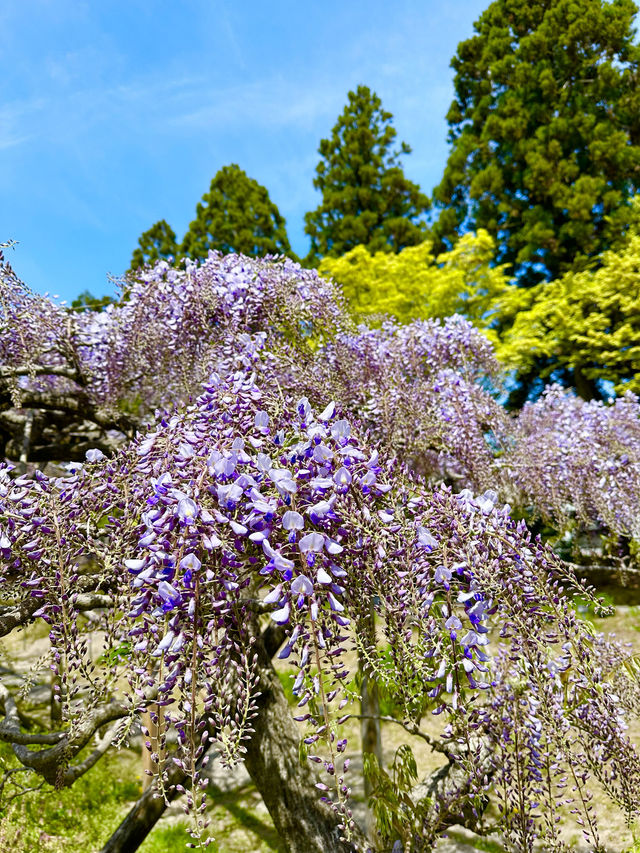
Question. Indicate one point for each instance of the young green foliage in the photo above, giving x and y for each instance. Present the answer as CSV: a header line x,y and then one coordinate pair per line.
x,y
544,131
414,284
585,326
366,198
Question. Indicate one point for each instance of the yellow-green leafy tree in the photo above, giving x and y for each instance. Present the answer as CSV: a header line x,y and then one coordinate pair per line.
x,y
583,327
415,284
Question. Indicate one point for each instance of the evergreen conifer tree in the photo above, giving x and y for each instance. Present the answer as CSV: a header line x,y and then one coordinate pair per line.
x,y
86,301
158,243
544,132
236,215
366,198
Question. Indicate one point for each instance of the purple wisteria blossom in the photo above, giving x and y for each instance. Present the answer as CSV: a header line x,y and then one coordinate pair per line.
x,y
343,489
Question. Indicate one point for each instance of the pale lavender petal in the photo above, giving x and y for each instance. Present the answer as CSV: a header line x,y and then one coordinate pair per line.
x,y
281,616
190,561
312,542
323,576
274,596
187,510
302,585
292,520
328,413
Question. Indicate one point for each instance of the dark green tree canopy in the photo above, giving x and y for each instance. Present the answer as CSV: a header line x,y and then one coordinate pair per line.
x,y
366,198
86,301
158,243
236,215
544,132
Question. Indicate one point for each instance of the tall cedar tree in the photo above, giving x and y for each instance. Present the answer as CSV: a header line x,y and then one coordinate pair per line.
x,y
544,132
236,215
366,198
158,243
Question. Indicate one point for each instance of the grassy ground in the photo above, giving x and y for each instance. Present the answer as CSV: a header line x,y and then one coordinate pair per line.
x,y
81,819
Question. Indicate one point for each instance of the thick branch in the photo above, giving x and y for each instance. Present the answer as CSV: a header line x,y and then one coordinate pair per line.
x,y
48,762
444,795
77,404
10,727
41,370
145,813
21,614
91,601
76,770
287,787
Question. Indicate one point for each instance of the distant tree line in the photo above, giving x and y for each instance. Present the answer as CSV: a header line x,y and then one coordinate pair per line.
x,y
366,200
544,162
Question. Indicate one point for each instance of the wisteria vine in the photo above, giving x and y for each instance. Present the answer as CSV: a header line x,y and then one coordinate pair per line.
x,y
325,479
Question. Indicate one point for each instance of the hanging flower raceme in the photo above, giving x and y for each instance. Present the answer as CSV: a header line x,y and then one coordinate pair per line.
x,y
250,506
578,463
247,503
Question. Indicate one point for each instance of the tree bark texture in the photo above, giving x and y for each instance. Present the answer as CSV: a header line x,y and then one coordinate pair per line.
x,y
286,784
370,733
141,819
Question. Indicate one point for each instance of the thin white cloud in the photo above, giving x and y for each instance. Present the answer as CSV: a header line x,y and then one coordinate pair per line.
x,y
185,104
270,103
231,38
17,121
9,140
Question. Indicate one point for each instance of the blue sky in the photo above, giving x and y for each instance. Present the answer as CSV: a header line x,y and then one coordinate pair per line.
x,y
117,114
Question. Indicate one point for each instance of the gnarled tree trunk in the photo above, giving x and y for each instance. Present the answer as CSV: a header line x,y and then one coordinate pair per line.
x,y
286,784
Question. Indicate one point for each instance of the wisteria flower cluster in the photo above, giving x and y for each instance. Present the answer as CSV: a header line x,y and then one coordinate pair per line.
x,y
421,390
246,502
424,391
279,478
153,347
582,461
